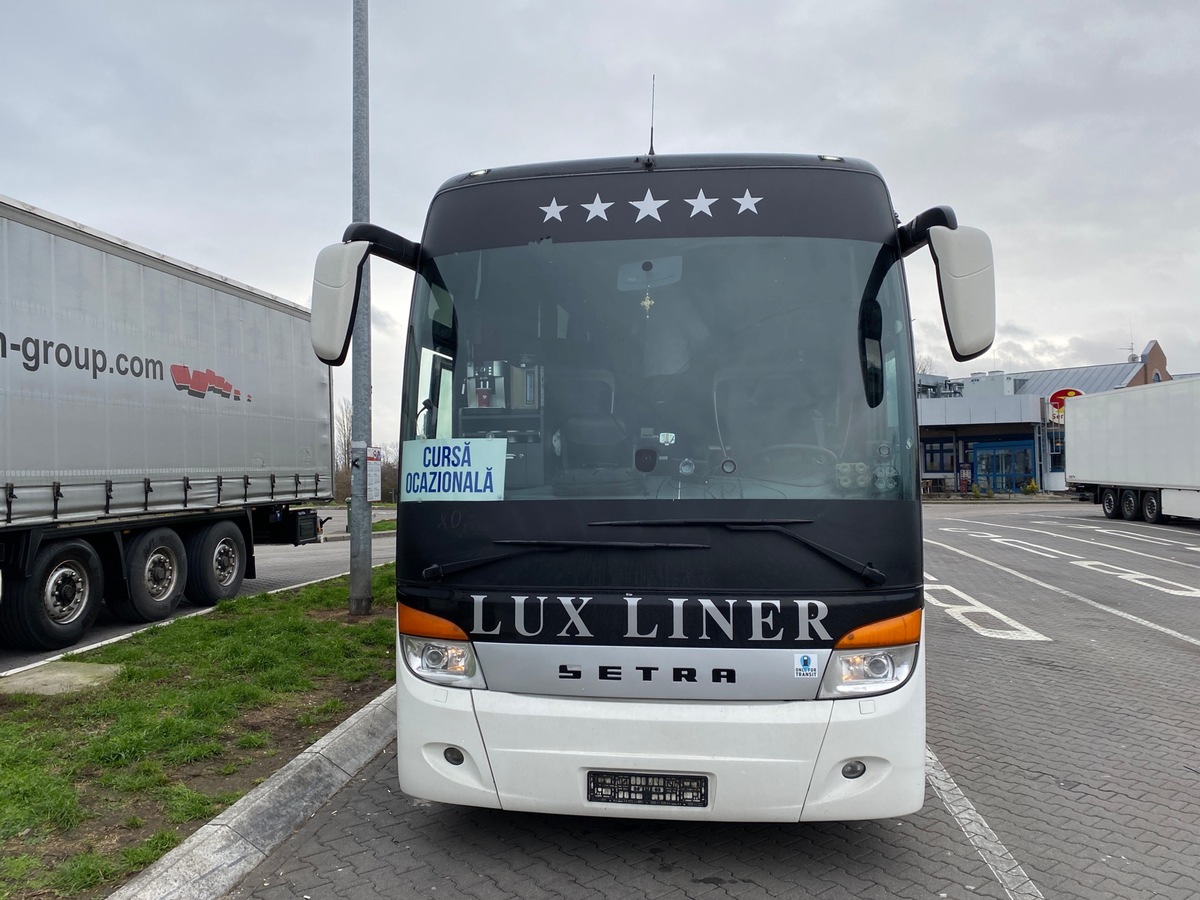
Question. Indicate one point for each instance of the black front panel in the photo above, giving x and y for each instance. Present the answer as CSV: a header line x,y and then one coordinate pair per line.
x,y
699,203
701,618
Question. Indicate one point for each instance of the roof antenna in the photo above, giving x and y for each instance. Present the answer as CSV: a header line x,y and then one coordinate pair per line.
x,y
649,161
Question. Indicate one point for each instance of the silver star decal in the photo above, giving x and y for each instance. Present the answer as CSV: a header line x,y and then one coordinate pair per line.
x,y
554,210
647,206
701,204
596,209
746,202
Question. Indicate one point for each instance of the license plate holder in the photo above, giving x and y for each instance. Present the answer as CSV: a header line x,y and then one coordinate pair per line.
x,y
647,788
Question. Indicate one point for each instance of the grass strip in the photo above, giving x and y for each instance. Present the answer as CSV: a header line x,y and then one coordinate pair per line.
x,y
97,784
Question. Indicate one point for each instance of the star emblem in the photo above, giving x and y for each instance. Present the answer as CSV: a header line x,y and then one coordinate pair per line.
x,y
647,206
554,210
596,209
746,202
701,204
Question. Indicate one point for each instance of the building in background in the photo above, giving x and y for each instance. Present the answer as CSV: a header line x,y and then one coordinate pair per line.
x,y
1002,430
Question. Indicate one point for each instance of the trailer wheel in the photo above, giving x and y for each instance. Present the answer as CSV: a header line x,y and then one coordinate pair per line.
x,y
1131,509
55,605
1151,511
216,563
1108,502
157,569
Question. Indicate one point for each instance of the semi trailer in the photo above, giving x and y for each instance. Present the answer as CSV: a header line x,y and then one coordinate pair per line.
x,y
156,422
1133,450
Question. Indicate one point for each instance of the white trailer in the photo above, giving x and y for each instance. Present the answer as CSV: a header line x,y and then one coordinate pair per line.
x,y
156,420
1133,450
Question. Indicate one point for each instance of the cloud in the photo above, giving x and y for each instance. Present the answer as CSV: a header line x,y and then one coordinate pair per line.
x,y
219,133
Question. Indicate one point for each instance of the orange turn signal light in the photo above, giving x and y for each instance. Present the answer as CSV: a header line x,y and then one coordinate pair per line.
x,y
905,629
422,624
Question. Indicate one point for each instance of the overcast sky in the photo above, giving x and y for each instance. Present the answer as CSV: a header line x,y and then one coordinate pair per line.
x,y
219,133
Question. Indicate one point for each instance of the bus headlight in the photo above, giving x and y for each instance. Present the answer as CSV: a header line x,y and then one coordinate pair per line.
x,y
451,663
861,673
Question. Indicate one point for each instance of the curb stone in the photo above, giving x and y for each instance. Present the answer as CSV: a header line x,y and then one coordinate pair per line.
x,y
216,859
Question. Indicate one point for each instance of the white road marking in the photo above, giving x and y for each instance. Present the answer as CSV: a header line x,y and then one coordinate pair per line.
x,y
1008,872
1150,581
1129,617
970,607
1068,537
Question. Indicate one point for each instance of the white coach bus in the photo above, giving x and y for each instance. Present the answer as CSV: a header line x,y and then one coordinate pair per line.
x,y
659,526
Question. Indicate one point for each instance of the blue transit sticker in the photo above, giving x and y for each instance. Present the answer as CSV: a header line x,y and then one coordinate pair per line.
x,y
806,666
453,469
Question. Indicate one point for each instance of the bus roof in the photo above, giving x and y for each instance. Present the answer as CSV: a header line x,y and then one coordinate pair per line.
x,y
678,162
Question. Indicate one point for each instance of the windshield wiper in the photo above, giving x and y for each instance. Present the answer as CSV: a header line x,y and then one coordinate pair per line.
x,y
866,571
439,570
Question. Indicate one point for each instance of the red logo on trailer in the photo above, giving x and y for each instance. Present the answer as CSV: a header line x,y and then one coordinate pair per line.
x,y
200,384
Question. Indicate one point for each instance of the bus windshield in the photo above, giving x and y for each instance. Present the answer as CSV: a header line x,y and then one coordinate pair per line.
x,y
738,367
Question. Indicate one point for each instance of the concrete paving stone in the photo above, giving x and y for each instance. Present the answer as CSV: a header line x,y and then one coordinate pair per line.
x,y
1170,877
743,889
436,888
655,889
544,879
1091,882
893,880
556,858
684,882
361,891
277,892
874,892
318,888
380,848
1173,835
1185,890
609,887
344,846
366,862
570,889
422,880
524,887
768,883
468,877
499,865
485,889
1176,846
284,866
1188,881
322,859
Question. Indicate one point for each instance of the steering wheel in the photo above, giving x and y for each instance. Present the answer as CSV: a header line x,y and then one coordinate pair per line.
x,y
796,459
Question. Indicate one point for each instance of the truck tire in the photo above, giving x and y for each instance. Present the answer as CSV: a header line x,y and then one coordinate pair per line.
x,y
1131,509
1109,503
55,605
216,563
1151,510
156,566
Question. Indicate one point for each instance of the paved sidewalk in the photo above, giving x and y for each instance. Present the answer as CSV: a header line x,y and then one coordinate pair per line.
x,y
222,853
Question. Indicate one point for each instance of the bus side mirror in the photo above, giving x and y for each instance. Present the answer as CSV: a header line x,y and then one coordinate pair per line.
x,y
967,285
336,283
